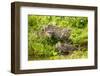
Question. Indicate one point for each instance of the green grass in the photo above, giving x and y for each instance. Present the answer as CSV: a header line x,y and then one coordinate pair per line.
x,y
75,55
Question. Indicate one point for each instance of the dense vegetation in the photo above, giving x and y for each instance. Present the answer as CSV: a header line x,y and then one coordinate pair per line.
x,y
42,47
